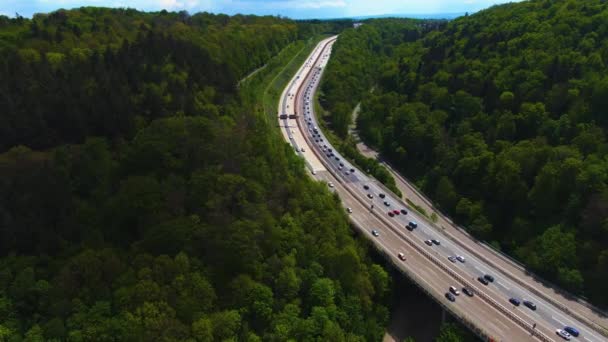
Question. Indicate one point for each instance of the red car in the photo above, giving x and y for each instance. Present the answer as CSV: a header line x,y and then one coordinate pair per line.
x,y
390,213
396,212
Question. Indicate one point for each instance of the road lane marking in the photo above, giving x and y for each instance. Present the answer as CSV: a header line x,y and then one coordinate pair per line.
x,y
503,285
558,321
587,339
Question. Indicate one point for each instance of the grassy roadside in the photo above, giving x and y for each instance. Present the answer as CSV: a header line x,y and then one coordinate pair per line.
x,y
265,87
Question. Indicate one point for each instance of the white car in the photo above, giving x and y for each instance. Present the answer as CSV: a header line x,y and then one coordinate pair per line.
x,y
401,256
563,334
330,184
454,290
460,258
350,210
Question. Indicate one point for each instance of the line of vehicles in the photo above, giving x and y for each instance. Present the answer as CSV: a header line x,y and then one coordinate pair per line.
x,y
340,167
566,332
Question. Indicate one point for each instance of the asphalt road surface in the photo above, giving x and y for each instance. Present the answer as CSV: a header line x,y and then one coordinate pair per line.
x,y
426,265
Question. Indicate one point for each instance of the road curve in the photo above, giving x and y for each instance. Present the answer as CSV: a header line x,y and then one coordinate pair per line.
x,y
489,313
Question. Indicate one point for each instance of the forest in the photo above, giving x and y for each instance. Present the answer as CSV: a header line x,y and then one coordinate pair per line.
x,y
501,118
145,199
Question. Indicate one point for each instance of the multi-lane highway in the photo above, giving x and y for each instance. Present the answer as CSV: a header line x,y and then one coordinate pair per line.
x,y
429,265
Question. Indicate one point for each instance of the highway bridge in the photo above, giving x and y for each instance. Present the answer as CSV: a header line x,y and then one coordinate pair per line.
x,y
377,214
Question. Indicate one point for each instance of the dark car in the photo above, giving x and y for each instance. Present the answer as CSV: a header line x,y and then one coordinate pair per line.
x,y
467,291
436,242
387,204
413,224
489,278
382,195
514,301
370,196
530,305
341,164
408,227
366,187
337,159
572,331
390,213
404,212
482,280
375,233
450,297
396,212
352,170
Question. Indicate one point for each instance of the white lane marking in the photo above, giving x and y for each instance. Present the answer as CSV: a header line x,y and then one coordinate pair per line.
x,y
558,321
587,339
503,285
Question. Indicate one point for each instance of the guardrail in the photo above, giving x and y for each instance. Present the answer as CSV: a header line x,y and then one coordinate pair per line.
x,y
526,326
600,329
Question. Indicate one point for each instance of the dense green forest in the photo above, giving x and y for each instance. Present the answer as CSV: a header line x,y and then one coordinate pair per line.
x,y
144,199
501,117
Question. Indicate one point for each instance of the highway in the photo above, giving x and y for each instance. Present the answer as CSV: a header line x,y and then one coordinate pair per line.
x,y
489,310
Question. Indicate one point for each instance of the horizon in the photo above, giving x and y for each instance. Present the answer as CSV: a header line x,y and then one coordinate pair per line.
x,y
296,10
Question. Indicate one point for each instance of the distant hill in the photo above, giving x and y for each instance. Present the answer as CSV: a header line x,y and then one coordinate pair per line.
x,y
414,16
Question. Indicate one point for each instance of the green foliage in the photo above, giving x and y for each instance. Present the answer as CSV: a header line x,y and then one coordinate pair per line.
x,y
177,213
501,117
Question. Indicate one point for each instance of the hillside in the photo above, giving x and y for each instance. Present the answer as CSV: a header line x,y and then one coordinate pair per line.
x,y
145,199
501,118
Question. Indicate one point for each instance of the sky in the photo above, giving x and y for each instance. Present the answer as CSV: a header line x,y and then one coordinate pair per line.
x,y
297,9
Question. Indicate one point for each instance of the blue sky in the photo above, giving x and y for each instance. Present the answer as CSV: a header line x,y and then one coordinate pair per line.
x,y
296,9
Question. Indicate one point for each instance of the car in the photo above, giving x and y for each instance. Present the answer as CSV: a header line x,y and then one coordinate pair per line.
x,y
450,297
337,159
346,173
530,305
375,233
329,149
467,291
460,258
381,195
313,172
323,149
514,301
339,167
387,204
404,212
390,213
452,258
563,334
413,224
341,164
572,331
370,196
482,280
316,140
352,170
366,187
489,278
454,291
331,185
396,212
428,242
350,210
436,242
401,256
